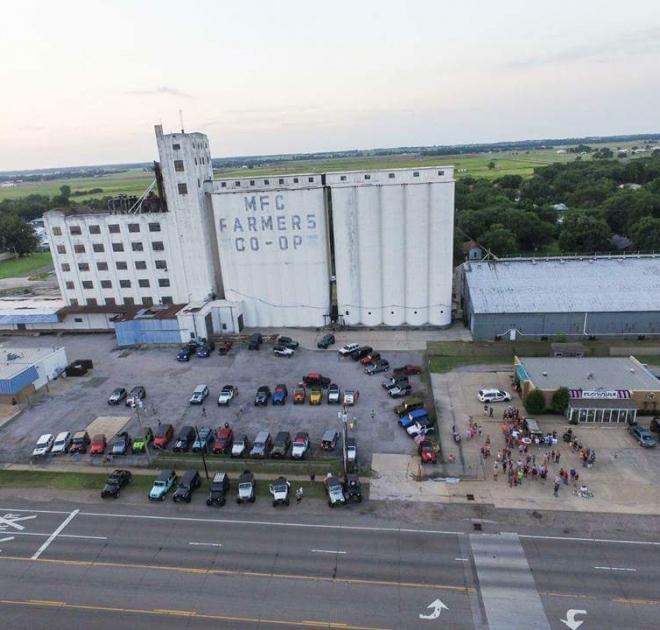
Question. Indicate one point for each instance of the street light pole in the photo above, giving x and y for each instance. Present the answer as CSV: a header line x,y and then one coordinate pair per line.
x,y
140,405
201,450
343,416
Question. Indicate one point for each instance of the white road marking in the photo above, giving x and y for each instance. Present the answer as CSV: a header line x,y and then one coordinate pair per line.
x,y
327,551
615,569
203,544
36,511
461,559
6,539
61,535
55,534
12,520
596,540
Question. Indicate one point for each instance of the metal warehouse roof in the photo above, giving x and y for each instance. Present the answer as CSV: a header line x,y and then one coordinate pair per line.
x,y
565,285
550,373
30,310
13,361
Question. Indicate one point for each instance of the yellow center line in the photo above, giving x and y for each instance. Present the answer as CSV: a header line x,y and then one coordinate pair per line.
x,y
163,612
228,572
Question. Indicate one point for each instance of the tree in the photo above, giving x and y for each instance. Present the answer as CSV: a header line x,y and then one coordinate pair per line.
x,y
560,400
500,240
646,234
16,235
603,154
530,231
584,234
535,402
491,165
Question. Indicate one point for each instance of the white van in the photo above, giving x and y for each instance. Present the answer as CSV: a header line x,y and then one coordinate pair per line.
x,y
62,443
199,395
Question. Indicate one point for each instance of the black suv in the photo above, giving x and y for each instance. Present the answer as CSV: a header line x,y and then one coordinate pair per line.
x,y
255,341
184,439
326,341
361,352
189,482
281,445
115,482
352,488
287,342
219,489
120,444
262,396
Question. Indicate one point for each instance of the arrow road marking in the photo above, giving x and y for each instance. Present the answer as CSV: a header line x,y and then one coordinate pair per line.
x,y
11,520
570,620
437,606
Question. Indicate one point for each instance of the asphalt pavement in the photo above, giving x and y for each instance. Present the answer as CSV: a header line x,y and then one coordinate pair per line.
x,y
141,566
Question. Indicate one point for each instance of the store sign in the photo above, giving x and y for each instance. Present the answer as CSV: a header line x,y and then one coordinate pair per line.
x,y
600,394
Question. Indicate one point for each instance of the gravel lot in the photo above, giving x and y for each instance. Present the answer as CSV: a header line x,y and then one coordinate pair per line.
x,y
72,403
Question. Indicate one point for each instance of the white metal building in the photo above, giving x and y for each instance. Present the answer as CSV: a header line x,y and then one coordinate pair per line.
x,y
273,244
393,242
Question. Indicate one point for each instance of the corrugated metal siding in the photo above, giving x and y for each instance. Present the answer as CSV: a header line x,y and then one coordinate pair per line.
x,y
19,381
148,331
28,318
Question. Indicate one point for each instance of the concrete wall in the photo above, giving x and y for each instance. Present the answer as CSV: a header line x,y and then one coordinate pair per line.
x,y
488,326
50,367
393,237
272,242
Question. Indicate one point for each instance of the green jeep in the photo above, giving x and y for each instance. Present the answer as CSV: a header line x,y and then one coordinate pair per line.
x,y
140,443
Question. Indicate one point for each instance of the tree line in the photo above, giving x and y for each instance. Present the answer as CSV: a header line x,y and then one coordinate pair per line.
x,y
603,198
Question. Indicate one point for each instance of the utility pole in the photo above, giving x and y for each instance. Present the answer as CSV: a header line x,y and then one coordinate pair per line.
x,y
343,417
201,450
137,406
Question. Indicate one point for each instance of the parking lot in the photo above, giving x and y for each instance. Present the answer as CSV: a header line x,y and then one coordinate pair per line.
x,y
72,403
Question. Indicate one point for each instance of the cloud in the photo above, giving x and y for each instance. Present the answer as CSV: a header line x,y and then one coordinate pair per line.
x,y
161,90
630,44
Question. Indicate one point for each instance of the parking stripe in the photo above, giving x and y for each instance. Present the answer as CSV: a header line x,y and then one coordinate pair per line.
x,y
55,534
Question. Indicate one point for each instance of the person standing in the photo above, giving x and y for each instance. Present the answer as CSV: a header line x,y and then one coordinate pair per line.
x,y
490,411
496,470
557,483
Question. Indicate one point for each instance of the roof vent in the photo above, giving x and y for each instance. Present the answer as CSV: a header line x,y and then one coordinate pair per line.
x,y
632,370
12,356
590,376
544,373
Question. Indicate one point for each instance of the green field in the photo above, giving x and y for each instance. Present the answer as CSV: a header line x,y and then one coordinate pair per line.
x,y
18,267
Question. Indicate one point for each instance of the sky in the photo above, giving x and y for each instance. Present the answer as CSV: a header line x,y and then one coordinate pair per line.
x,y
85,82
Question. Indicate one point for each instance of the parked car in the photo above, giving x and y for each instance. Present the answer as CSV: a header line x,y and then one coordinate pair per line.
x,y
240,447
280,394
203,440
281,445
283,351
120,444
199,395
642,436
184,354
219,489
379,366
227,394
314,378
141,442
98,444
280,489
224,439
205,349
43,445
352,488
348,349
118,394
413,416
115,482
162,485
329,440
184,439
300,445
164,433
79,443
655,425
255,341
493,395
262,396
262,445
246,487
315,396
351,453
299,394
351,396
136,394
395,381
188,483
361,352
334,394
414,402
407,370
423,427
335,491
225,347
287,342
372,357
400,390
62,443
326,341
427,452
